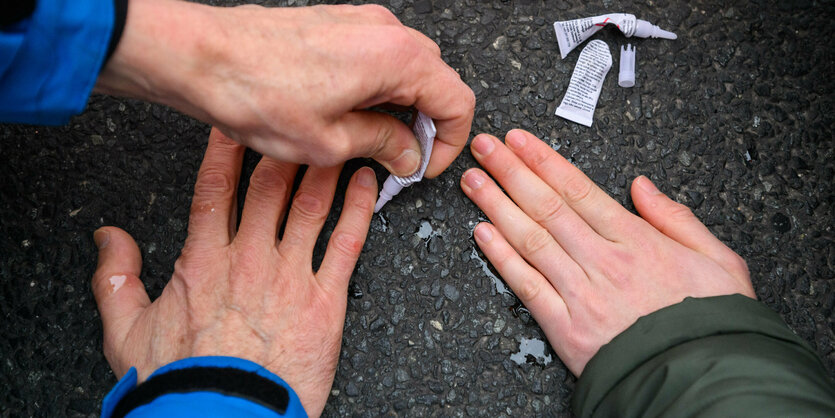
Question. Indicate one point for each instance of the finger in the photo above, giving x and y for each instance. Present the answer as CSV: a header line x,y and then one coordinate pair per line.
x,y
349,235
266,201
538,200
598,209
214,202
531,241
533,289
450,103
381,137
310,208
422,80
677,222
119,293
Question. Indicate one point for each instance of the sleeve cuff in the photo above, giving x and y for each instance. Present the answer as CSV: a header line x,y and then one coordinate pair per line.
x,y
676,325
204,386
50,62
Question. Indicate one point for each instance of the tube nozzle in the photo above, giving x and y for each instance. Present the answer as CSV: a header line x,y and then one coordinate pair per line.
x,y
644,29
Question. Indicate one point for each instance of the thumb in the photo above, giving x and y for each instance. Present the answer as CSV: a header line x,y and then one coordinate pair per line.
x,y
383,138
678,222
119,293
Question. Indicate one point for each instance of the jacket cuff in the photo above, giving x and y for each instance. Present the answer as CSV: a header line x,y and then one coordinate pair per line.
x,y
673,326
204,386
50,61
14,11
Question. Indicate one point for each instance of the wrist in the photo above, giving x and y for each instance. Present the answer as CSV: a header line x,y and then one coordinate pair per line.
x,y
160,57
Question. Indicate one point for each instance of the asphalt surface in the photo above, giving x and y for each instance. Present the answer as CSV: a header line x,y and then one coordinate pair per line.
x,y
734,119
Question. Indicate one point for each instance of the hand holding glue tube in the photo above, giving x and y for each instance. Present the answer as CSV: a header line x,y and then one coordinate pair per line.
x,y
425,133
571,33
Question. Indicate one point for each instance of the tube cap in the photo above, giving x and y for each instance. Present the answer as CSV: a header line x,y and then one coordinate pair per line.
x,y
626,77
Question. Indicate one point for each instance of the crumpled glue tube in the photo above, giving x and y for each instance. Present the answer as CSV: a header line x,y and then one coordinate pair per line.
x,y
586,82
424,130
571,33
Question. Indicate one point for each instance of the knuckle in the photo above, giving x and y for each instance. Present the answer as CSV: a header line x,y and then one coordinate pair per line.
x,y
681,212
506,171
385,132
309,207
436,49
347,244
364,205
538,161
400,47
336,147
214,183
463,105
469,98
549,210
267,178
103,286
247,263
578,189
528,289
535,241
379,12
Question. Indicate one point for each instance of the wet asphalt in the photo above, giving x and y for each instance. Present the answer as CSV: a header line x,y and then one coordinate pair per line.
x,y
734,119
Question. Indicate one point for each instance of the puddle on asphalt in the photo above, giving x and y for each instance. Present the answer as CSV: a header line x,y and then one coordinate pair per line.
x,y
485,267
532,350
425,231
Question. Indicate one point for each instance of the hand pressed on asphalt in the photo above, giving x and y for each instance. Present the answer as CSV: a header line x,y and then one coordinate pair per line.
x,y
586,267
242,293
295,83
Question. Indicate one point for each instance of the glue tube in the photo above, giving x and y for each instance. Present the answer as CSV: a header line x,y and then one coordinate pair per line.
x,y
571,33
424,130
586,82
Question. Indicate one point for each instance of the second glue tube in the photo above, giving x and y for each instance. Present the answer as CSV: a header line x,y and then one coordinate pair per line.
x,y
425,131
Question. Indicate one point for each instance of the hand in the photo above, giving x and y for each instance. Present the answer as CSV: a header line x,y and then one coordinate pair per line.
x,y
294,83
242,293
586,267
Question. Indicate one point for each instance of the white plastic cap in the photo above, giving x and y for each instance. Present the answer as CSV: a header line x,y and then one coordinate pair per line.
x,y
626,77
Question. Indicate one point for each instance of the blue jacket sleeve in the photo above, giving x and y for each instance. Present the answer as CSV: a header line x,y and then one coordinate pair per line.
x,y
49,62
210,387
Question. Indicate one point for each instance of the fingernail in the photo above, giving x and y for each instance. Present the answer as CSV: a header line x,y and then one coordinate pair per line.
x,y
365,177
407,163
473,180
646,185
483,145
483,233
101,238
515,140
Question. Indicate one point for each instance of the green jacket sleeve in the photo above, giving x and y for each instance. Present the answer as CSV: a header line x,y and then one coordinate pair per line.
x,y
721,356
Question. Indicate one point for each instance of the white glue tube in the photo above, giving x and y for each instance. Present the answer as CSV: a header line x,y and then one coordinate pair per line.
x,y
424,130
586,82
571,33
